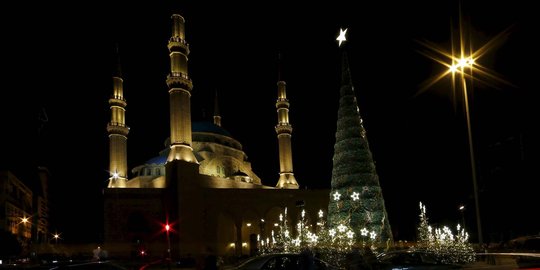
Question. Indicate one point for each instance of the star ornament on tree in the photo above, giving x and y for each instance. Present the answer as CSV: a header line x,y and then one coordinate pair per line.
x,y
355,196
337,196
332,232
341,38
364,232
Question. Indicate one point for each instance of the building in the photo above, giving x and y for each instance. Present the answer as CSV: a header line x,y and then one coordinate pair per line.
x,y
25,207
199,194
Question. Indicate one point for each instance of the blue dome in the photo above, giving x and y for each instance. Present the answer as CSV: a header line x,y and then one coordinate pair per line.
x,y
195,127
208,127
159,159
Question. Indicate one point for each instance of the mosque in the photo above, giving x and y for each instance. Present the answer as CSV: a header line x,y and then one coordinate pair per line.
x,y
199,194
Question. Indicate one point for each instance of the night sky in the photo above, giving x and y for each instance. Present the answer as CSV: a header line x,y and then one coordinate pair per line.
x,y
59,60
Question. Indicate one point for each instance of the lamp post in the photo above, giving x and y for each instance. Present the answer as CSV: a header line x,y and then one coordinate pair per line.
x,y
462,210
25,231
56,236
458,66
262,235
300,204
167,229
24,220
465,65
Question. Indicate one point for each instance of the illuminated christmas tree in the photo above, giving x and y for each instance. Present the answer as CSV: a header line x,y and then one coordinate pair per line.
x,y
446,246
356,198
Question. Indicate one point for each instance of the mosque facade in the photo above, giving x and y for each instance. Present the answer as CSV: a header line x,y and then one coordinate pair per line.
x,y
201,184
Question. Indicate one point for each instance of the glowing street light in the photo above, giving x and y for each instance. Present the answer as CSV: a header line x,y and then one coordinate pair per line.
x,y
24,220
167,229
462,210
56,236
459,66
24,227
462,67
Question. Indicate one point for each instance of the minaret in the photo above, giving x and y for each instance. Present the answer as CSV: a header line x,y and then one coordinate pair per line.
x,y
217,117
180,87
118,132
284,131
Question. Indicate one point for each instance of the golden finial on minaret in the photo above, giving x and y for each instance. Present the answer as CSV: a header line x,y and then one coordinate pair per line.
x,y
118,132
180,87
284,131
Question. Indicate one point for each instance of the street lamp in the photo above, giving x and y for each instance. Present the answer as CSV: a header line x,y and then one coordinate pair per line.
x,y
462,210
24,220
24,231
262,230
56,236
464,64
459,65
167,229
25,228
300,204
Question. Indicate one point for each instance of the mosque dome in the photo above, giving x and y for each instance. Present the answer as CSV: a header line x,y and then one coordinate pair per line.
x,y
209,127
203,131
217,152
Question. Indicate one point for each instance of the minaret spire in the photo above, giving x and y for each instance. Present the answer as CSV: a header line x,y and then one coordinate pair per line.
x,y
180,87
284,132
217,117
118,131
279,67
356,197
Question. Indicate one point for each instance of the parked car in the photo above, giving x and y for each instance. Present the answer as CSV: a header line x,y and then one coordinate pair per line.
x,y
102,265
529,249
411,260
282,261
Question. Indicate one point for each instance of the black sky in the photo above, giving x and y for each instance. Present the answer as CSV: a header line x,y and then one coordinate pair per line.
x,y
60,59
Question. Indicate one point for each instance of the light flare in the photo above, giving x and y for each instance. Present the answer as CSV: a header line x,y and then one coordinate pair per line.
x,y
464,62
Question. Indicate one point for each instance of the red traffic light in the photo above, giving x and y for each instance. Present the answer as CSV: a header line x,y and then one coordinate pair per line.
x,y
167,227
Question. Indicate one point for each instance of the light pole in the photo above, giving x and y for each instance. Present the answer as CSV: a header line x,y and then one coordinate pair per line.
x,y
25,231
465,65
462,210
56,236
262,234
459,65
463,61
301,204
167,229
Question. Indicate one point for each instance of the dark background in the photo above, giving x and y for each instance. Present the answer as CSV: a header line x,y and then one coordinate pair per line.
x,y
59,60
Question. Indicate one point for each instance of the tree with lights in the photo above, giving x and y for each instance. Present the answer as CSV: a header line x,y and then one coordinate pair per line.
x,y
443,243
356,198
356,213
424,230
330,244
